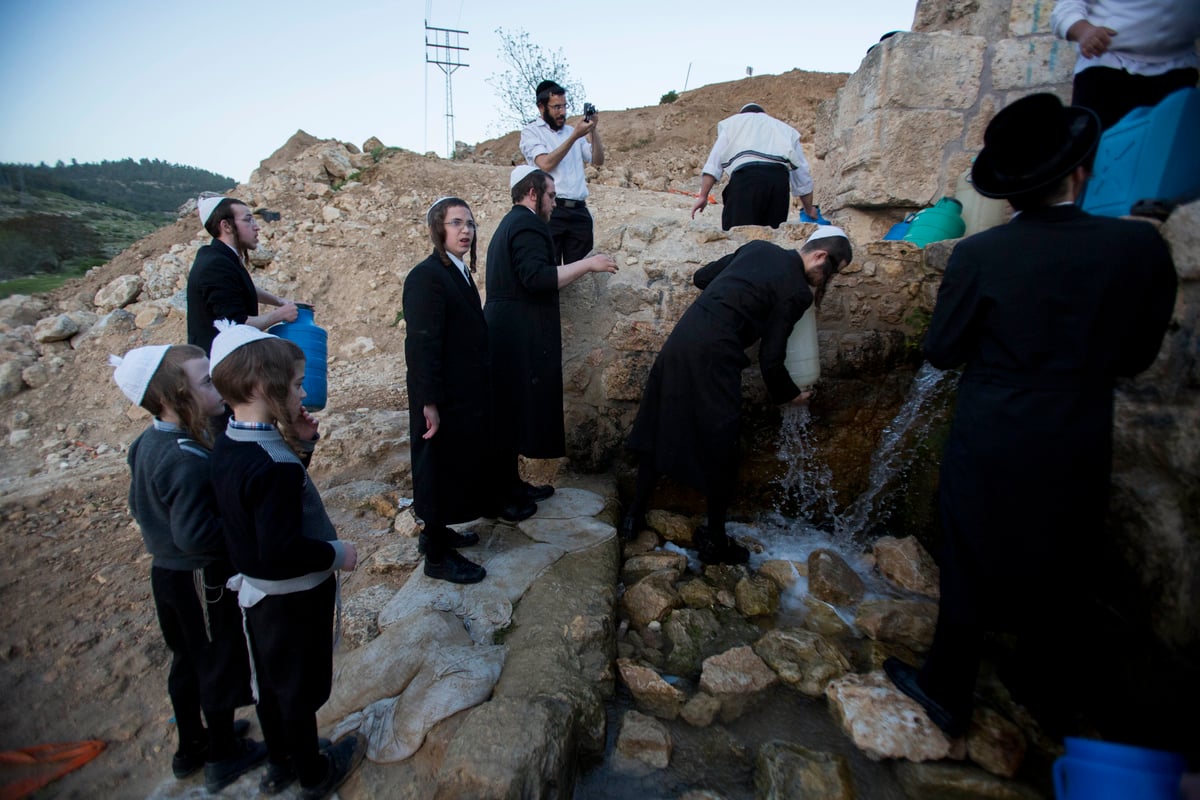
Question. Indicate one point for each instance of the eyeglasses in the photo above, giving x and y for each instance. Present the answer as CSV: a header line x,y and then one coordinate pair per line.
x,y
458,223
558,107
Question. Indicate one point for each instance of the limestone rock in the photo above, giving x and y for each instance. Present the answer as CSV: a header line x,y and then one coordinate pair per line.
x,y
695,634
401,556
803,659
644,740
148,317
673,527
651,598
700,710
119,292
906,622
360,346
946,779
787,771
55,329
822,618
736,678
11,381
783,572
1182,233
638,567
757,596
336,161
995,743
360,615
20,309
882,721
831,579
650,692
907,564
697,594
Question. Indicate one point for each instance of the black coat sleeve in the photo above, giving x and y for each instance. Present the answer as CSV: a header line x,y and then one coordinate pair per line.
x,y
709,272
424,303
1151,304
956,314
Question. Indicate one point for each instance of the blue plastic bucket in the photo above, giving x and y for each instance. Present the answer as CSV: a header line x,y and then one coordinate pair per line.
x,y
1078,779
313,340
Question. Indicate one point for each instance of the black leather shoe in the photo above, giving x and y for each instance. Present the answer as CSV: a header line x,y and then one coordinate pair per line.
x,y
452,538
904,676
185,762
454,568
248,754
536,494
719,549
277,777
518,510
343,757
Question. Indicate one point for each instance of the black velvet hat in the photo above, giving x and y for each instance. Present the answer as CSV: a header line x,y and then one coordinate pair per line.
x,y
1033,143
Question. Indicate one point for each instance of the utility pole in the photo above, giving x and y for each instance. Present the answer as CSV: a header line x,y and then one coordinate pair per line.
x,y
445,50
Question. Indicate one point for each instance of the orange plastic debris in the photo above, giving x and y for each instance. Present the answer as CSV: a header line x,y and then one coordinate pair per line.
x,y
60,758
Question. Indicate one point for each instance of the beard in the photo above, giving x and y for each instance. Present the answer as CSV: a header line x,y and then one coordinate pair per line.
x,y
545,207
555,125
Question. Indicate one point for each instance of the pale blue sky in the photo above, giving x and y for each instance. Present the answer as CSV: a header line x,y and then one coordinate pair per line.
x,y
223,85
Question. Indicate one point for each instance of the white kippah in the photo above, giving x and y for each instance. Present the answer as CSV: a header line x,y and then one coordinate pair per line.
x,y
434,205
206,205
519,173
134,371
231,336
825,232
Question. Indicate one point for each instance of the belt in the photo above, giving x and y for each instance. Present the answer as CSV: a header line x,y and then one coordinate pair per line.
x,y
566,202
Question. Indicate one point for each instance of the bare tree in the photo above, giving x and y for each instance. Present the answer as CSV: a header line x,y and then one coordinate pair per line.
x,y
529,65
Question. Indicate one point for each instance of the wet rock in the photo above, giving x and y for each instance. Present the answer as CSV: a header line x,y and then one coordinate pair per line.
x,y
55,329
652,694
831,579
646,541
995,743
651,598
736,678
953,781
907,564
643,741
697,594
822,618
803,659
695,634
360,615
882,721
873,653
757,596
783,572
118,293
700,710
638,567
906,622
786,771
672,527
725,576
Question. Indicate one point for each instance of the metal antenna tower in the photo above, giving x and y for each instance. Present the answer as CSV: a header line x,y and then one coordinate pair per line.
x,y
445,54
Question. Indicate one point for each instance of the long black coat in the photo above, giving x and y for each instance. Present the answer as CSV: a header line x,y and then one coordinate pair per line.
x,y
1045,312
446,350
525,335
690,412
218,287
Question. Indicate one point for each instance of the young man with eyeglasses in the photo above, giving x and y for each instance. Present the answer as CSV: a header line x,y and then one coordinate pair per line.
x,y
561,150
219,284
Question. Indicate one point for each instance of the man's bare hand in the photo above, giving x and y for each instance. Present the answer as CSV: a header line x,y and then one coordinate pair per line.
x,y
1093,40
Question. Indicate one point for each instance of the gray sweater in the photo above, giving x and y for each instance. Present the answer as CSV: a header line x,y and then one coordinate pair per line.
x,y
172,500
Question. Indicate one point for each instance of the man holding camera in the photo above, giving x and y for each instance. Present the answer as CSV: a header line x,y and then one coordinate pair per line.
x,y
561,150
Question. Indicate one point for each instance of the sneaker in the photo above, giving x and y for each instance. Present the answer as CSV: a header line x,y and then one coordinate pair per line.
x,y
452,538
278,777
719,549
219,774
453,567
186,762
343,758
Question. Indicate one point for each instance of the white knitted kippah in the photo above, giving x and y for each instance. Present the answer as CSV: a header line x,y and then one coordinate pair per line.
x,y
231,336
519,173
205,207
825,232
134,371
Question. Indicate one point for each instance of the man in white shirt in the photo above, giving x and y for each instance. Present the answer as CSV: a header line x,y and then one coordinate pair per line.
x,y
765,162
1131,52
561,150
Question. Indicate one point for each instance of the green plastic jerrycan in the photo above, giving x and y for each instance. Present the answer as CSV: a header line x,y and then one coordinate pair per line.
x,y
944,220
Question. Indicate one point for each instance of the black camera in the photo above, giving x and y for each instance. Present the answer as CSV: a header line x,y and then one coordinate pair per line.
x,y
589,111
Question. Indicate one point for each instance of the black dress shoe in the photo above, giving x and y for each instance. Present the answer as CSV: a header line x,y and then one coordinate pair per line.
x,y
453,567
452,538
537,494
185,762
904,676
719,548
247,755
518,510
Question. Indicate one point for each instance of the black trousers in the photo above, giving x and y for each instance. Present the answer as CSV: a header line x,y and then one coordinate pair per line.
x,y
757,194
213,675
1113,93
571,229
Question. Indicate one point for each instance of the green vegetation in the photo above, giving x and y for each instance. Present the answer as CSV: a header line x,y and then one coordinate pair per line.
x,y
669,97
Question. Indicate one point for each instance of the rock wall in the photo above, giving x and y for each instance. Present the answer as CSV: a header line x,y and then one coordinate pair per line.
x,y
910,120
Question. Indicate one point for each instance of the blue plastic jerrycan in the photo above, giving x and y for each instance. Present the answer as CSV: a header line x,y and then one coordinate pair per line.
x,y
313,340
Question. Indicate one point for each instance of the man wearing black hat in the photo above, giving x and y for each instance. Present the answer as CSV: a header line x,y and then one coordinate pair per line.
x,y
765,162
1045,313
561,151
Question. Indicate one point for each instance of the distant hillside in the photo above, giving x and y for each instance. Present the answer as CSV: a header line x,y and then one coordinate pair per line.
x,y
56,222
144,186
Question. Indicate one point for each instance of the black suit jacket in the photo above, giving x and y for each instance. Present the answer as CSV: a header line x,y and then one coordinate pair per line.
x,y
218,287
446,352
